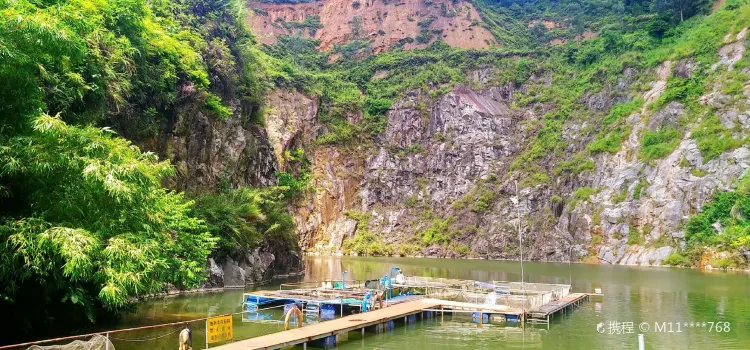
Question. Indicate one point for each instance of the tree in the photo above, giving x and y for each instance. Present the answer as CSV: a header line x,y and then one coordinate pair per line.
x,y
93,228
539,32
680,8
356,23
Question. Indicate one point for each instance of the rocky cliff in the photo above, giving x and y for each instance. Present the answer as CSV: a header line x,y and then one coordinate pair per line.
x,y
440,180
451,174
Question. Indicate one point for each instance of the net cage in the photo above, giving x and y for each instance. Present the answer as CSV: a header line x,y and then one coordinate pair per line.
x,y
97,342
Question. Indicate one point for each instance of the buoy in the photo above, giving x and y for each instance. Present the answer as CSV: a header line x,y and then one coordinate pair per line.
x,y
291,311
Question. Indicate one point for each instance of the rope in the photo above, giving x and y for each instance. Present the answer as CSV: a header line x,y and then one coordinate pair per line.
x,y
148,338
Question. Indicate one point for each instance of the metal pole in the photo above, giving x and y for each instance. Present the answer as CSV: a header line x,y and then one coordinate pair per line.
x,y
206,333
107,346
641,342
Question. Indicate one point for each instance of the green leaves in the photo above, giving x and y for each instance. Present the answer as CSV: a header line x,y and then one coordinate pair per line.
x,y
98,219
241,218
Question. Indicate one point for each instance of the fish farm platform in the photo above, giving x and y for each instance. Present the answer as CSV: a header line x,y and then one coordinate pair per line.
x,y
414,298
325,334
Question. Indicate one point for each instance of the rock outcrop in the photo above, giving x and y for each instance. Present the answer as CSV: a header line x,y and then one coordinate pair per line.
x,y
384,23
254,267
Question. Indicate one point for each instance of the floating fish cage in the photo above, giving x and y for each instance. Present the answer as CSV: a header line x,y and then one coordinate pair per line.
x,y
513,295
328,299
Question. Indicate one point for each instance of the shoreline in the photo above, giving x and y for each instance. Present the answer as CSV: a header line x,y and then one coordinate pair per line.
x,y
580,262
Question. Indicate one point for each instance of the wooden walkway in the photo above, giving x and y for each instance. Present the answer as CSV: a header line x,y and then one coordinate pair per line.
x,y
333,327
395,311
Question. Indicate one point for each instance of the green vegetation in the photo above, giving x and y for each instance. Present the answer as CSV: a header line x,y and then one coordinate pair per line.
x,y
623,195
538,178
583,193
242,218
366,243
676,259
87,227
713,138
635,237
680,89
575,166
621,110
610,141
438,233
639,189
89,213
484,201
728,211
657,144
296,182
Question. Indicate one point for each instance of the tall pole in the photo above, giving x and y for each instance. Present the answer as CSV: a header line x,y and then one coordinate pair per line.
x,y
518,227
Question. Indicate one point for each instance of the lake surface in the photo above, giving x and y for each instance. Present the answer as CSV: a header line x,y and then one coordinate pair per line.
x,y
631,294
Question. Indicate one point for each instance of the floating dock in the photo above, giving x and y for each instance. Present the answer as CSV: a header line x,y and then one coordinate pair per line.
x,y
325,334
402,298
333,328
543,313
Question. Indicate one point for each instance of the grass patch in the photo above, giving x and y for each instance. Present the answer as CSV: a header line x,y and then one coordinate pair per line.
x,y
583,193
638,190
713,138
657,144
610,141
621,110
575,166
635,237
622,196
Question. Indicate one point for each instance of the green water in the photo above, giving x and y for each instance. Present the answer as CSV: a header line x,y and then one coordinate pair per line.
x,y
631,294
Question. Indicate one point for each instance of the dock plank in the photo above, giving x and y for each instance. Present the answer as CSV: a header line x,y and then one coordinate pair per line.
x,y
557,305
337,326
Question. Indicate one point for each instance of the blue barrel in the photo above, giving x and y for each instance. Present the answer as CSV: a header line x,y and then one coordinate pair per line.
x,y
475,317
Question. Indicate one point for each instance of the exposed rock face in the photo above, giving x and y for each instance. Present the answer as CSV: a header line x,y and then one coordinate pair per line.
x,y
732,52
290,121
320,218
383,22
206,150
257,266
460,140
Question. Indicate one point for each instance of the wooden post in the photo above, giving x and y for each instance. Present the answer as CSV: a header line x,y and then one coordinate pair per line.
x,y
479,320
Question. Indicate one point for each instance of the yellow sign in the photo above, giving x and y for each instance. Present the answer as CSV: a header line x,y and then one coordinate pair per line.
x,y
219,329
